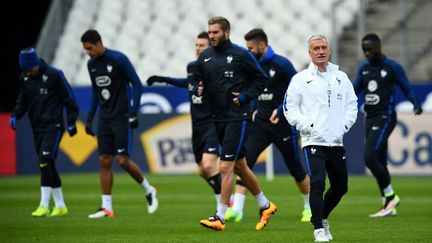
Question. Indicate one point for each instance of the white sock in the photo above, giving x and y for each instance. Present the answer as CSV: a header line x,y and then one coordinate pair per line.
x,y
388,191
147,187
263,202
107,202
306,201
239,200
45,196
58,197
217,197
221,211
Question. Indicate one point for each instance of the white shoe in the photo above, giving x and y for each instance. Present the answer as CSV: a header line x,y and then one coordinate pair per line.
x,y
152,202
390,209
327,229
102,213
320,236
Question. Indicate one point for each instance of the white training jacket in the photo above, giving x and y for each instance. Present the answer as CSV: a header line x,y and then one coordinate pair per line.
x,y
322,110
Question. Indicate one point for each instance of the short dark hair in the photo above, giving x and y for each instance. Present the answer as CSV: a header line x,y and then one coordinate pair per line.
x,y
203,35
91,36
256,34
371,37
222,21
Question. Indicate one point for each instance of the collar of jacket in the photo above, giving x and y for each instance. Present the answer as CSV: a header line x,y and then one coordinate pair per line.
x,y
223,46
267,56
332,68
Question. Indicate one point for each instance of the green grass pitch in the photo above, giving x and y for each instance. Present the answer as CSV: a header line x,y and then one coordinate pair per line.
x,y
184,200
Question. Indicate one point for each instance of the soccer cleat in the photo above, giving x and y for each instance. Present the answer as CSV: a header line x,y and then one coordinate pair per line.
x,y
265,215
394,212
388,210
327,229
152,202
320,236
306,215
59,212
102,213
41,211
214,223
233,216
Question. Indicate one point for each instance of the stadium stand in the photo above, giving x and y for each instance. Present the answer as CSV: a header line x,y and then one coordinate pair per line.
x,y
158,36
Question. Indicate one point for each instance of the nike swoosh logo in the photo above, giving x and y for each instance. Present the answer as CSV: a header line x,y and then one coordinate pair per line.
x,y
211,149
120,150
43,165
207,59
229,155
45,152
309,81
286,139
344,157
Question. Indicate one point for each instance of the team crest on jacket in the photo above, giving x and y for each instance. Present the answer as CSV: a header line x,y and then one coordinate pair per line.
x,y
229,59
383,73
272,73
109,68
44,78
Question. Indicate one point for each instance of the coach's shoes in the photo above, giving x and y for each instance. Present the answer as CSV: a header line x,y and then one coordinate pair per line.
x,y
320,236
306,215
41,211
265,215
327,229
102,213
233,216
59,212
214,223
152,202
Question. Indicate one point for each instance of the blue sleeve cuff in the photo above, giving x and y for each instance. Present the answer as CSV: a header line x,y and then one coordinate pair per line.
x,y
242,98
280,113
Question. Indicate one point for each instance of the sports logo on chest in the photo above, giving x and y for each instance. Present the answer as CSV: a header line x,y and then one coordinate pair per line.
x,y
383,73
372,85
44,78
103,81
229,59
272,72
109,68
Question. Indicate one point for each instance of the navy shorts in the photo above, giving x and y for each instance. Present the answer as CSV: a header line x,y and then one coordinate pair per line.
x,y
114,136
283,136
204,140
47,141
232,136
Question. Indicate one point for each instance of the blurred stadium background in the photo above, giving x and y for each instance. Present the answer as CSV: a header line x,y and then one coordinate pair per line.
x,y
158,37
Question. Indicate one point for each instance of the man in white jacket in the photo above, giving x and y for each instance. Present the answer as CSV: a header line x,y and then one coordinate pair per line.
x,y
320,102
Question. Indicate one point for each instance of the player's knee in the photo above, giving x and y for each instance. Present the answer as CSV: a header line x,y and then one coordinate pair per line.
x,y
341,190
238,168
369,158
318,184
122,160
208,167
226,168
105,161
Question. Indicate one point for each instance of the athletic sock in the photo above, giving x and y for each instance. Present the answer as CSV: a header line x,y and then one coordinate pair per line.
x,y
306,201
221,211
263,202
45,196
147,187
107,202
58,197
239,200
